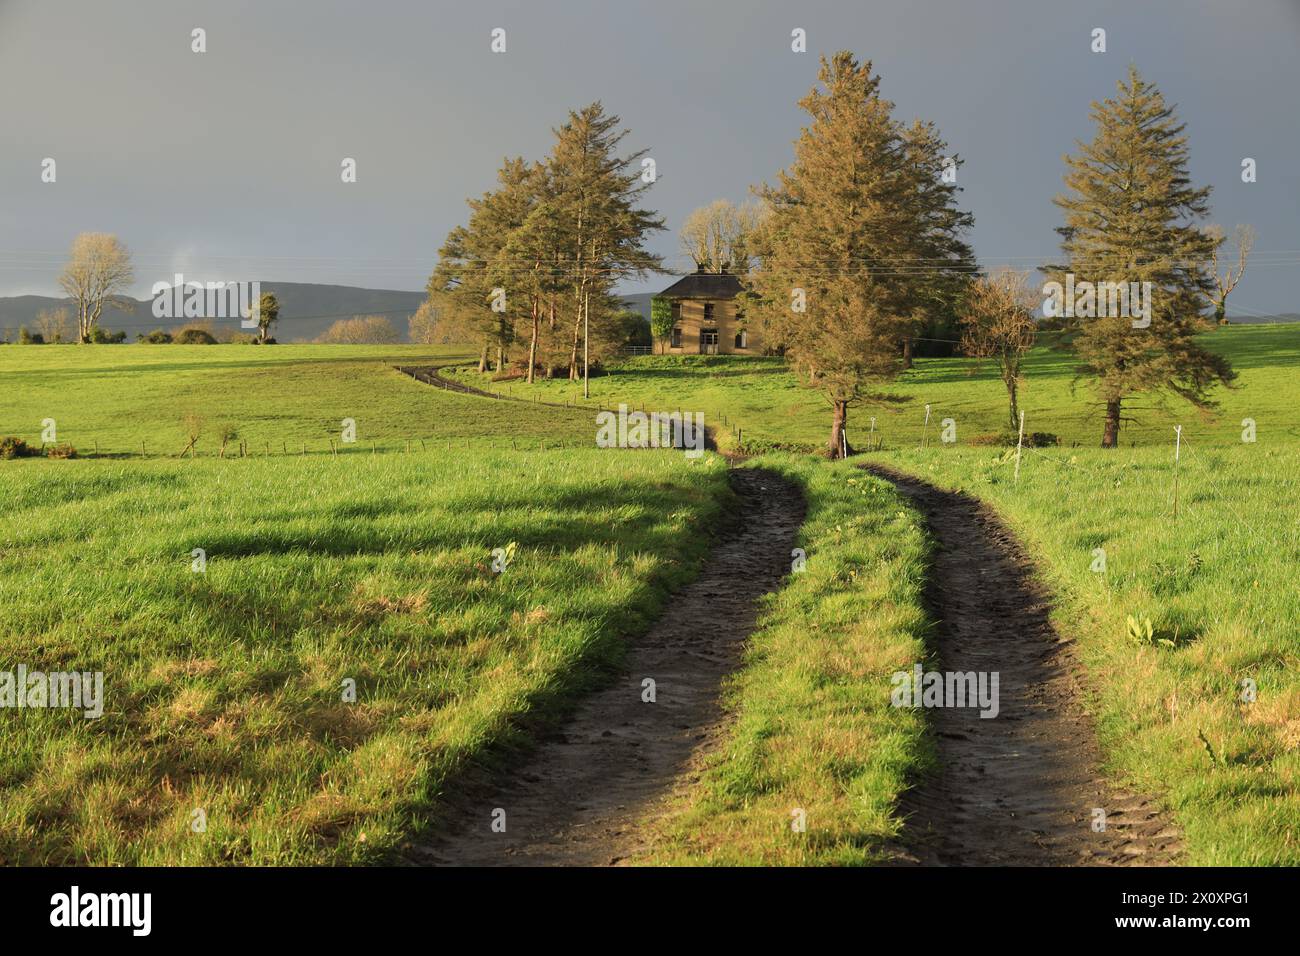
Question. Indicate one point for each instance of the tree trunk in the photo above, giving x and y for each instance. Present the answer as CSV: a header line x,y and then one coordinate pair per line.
x,y
1110,437
501,359
839,446
575,372
1015,407
482,359
1220,311
532,345
907,352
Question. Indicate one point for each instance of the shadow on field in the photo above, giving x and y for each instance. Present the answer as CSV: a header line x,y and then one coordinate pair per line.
x,y
575,525
577,799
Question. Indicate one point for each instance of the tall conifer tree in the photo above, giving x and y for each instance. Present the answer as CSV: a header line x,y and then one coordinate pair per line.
x,y
1131,217
862,241
597,192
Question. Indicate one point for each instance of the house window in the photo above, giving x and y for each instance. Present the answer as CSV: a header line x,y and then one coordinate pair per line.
x,y
677,336
708,312
742,339
677,311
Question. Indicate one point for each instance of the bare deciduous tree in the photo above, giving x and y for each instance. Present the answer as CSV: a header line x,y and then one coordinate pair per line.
x,y
718,237
54,325
361,330
422,327
998,322
98,271
1243,239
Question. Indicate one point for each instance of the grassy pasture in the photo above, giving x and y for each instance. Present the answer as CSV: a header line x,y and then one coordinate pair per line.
x,y
771,408
224,688
1217,584
280,395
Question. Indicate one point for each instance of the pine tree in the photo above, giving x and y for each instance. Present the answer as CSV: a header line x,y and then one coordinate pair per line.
x,y
997,320
596,192
1130,217
473,263
941,262
537,252
860,244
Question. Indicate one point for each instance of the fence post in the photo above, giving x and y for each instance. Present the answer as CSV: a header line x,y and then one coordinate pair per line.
x,y
1020,440
1178,447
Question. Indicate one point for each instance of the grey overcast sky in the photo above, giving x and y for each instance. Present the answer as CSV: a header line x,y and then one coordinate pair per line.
x,y
226,164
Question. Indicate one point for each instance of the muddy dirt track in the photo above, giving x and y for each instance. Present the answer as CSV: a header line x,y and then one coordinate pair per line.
x,y
1019,788
576,799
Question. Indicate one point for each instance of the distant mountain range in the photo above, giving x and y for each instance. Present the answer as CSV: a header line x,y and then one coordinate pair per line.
x,y
306,310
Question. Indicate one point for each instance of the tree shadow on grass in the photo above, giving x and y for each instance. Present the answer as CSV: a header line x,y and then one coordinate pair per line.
x,y
570,522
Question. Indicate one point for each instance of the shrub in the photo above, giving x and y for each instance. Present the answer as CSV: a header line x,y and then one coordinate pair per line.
x,y
1009,439
30,338
194,337
12,447
360,330
156,337
63,450
101,336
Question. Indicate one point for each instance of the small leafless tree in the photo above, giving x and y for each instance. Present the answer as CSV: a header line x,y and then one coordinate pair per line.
x,y
98,272
1243,239
361,330
719,236
998,322
193,424
423,325
54,324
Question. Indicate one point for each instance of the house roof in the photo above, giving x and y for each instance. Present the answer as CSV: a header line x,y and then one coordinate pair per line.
x,y
704,285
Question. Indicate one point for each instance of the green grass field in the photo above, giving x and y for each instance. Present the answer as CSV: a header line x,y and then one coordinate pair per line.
x,y
766,401
275,398
223,687
1216,583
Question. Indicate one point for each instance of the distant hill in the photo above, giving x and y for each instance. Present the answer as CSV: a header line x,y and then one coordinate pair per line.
x,y
1264,319
306,310
640,302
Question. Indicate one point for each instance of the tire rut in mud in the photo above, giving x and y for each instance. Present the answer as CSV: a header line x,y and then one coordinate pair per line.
x,y
577,798
1020,788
